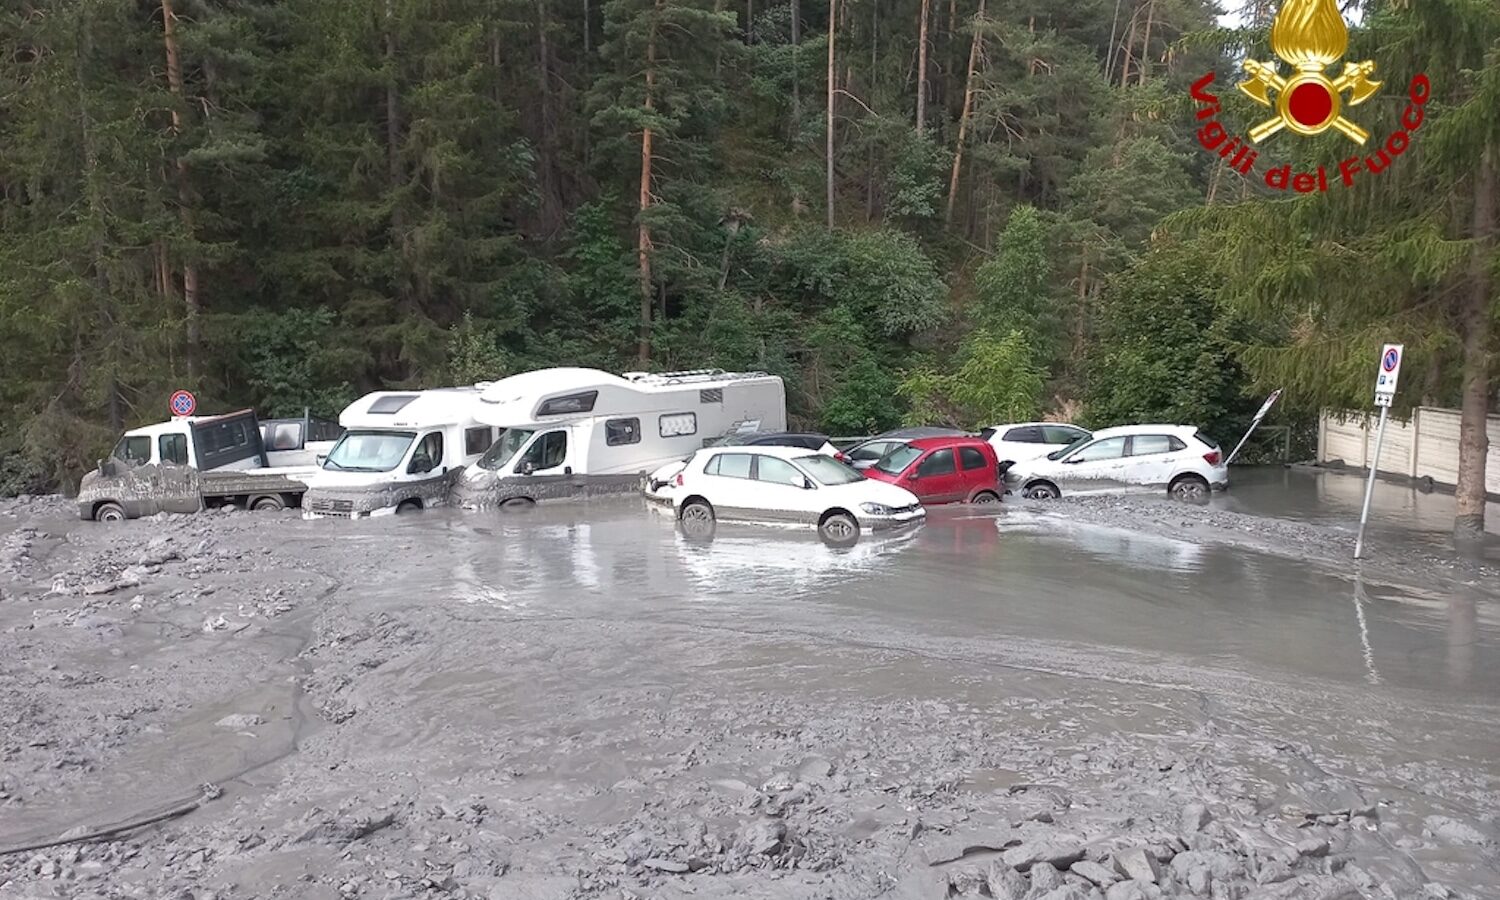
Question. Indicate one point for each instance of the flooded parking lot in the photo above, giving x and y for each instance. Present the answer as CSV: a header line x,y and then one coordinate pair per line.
x,y
578,702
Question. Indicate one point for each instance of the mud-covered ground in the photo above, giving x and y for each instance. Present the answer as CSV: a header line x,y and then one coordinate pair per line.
x,y
1091,698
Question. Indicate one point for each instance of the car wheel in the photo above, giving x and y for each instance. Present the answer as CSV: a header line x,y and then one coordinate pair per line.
x,y
698,520
517,504
839,529
1044,490
110,512
985,498
267,504
1190,489
408,506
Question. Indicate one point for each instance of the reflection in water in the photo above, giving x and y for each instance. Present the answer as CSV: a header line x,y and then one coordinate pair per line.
x,y
1364,629
1463,618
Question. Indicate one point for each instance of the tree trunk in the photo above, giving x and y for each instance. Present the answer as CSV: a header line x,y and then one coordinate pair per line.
x,y
91,184
1474,321
1114,34
643,242
833,6
550,181
922,69
1145,66
184,190
796,72
1135,22
963,117
749,21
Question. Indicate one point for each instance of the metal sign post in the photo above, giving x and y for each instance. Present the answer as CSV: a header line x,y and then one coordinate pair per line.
x,y
1264,408
1385,392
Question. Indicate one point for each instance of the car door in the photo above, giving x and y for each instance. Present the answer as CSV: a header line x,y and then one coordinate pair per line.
x,y
178,488
1151,458
1096,466
976,472
726,484
936,478
782,491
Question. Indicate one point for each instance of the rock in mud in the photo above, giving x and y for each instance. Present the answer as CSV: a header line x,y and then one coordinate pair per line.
x,y
666,865
763,838
1006,883
1132,890
1094,872
1195,817
1045,878
1273,872
1313,847
1066,892
1058,855
1138,865
1454,830
240,720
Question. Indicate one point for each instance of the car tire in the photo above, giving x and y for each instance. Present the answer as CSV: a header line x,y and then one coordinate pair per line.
x,y
269,503
1042,490
985,498
698,520
110,512
408,506
1192,489
517,504
839,529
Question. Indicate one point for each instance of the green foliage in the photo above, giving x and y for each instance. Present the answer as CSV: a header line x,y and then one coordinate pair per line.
x,y
852,387
1011,287
996,380
474,353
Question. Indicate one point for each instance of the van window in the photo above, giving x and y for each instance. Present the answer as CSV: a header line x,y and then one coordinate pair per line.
x,y
572,403
477,440
1152,444
428,455
285,436
622,431
546,452
678,424
971,458
1062,434
729,465
939,463
173,448
134,450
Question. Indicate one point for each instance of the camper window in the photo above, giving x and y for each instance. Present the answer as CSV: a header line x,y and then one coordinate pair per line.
x,y
476,440
505,446
391,404
428,456
369,451
572,403
173,449
546,452
678,424
134,450
622,431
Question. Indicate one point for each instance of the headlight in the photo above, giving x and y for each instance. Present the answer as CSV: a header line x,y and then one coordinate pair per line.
x,y
876,509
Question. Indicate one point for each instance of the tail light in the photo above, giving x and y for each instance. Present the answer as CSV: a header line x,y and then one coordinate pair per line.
x,y
677,479
840,456
1212,457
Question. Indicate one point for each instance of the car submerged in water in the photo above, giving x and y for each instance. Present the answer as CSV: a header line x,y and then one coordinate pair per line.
x,y
1180,459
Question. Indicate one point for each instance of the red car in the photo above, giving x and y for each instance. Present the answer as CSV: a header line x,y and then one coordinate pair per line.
x,y
943,470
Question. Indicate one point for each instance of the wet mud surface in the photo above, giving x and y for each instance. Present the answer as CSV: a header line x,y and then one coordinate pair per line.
x,y
1092,698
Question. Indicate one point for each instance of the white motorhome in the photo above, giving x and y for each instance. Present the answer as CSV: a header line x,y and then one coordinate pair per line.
x,y
569,432
401,451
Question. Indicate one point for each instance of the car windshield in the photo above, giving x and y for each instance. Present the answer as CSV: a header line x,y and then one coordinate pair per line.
x,y
829,471
505,447
1064,451
895,462
369,451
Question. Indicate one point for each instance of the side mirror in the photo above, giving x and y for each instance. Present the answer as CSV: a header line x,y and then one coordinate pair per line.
x,y
101,467
322,458
913,475
807,484
528,467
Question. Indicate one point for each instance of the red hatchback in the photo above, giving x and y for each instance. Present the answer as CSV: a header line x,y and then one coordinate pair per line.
x,y
943,470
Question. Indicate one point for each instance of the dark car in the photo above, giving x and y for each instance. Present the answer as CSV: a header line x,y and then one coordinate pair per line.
x,y
867,453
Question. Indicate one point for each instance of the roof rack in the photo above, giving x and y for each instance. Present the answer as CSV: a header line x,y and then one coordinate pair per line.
x,y
688,376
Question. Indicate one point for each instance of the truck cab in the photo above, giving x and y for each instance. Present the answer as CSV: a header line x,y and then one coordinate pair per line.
x,y
400,452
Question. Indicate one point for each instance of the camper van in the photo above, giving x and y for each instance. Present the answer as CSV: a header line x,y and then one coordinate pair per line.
x,y
568,433
401,451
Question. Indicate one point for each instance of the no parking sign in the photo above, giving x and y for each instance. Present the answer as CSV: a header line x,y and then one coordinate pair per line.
x,y
183,403
1390,370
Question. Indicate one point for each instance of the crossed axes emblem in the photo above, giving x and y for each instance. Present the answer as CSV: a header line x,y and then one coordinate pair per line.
x,y
1309,103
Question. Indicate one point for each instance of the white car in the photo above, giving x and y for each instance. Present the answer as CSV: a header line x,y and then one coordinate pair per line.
x,y
1179,459
661,483
1028,440
787,485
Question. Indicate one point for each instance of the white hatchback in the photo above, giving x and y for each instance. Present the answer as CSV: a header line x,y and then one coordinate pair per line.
x,y
1180,459
1027,440
787,485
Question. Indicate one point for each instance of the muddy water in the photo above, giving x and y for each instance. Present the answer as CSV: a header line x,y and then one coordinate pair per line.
x,y
544,701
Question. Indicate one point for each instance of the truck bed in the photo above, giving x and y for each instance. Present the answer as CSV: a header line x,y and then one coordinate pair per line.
x,y
285,480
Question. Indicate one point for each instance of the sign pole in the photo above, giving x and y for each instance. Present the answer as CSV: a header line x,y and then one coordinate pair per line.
x,y
1385,392
1264,408
1364,514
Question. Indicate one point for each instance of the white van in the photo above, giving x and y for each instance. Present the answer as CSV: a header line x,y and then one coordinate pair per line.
x,y
401,451
569,432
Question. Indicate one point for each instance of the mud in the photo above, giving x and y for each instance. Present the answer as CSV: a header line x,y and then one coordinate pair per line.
x,y
1116,699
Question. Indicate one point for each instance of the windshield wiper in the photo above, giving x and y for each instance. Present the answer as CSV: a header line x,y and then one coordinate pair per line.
x,y
330,461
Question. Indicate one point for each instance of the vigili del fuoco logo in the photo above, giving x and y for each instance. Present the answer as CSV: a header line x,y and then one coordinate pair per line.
x,y
1309,36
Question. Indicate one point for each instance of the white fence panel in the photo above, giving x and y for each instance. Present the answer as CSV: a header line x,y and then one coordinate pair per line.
x,y
1427,445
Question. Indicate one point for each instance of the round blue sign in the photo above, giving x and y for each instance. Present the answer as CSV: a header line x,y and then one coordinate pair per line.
x,y
1391,359
183,403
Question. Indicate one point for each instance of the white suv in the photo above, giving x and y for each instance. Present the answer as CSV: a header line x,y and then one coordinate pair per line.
x,y
1028,440
787,485
1180,459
